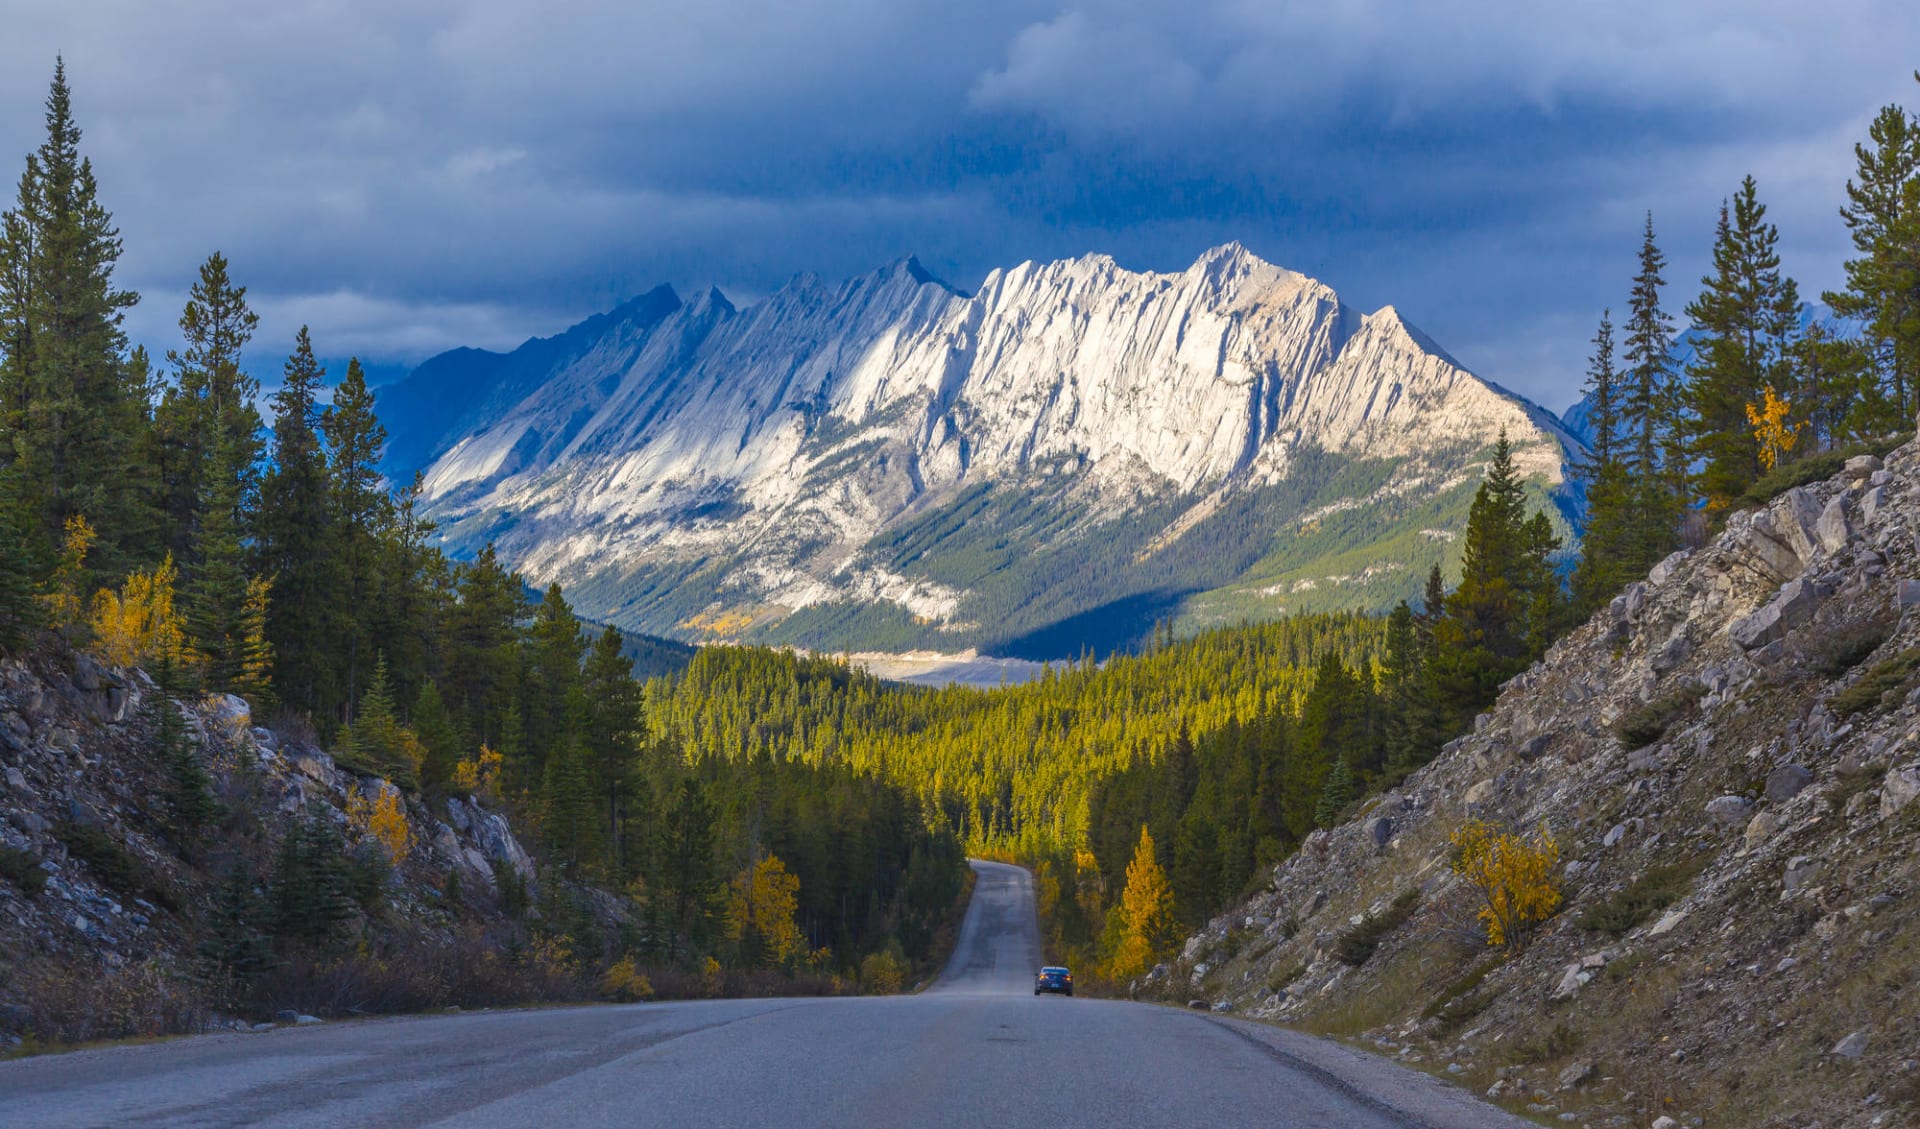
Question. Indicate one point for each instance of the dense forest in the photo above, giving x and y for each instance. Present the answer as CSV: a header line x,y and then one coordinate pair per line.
x,y
151,514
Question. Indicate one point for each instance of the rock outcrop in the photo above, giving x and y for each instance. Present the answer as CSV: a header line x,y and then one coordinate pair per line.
x,y
1742,889
96,877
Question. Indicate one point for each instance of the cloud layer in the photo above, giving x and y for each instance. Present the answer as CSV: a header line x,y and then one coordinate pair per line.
x,y
413,175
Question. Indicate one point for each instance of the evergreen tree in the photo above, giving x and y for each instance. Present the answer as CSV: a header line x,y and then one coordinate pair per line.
x,y
570,811
1646,416
206,428
1609,536
235,945
610,734
359,508
1882,215
1745,320
72,405
688,873
308,899
20,610
439,737
294,539
217,593
1338,794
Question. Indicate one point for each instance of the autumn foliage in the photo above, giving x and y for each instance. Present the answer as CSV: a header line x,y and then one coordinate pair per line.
x,y
384,820
1513,878
1770,428
1146,911
138,624
760,912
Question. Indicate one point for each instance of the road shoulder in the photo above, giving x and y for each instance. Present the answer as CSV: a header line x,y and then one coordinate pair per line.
x,y
1422,1099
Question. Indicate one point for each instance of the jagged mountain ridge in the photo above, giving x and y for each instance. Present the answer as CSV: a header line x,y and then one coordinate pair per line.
x,y
888,456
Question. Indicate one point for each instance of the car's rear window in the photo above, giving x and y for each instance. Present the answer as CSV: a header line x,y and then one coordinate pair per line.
x,y
1053,972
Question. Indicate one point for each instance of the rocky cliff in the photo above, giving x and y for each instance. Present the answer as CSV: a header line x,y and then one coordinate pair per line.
x,y
887,461
1728,758
108,909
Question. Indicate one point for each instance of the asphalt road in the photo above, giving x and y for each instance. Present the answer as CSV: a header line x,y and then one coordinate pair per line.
x,y
976,1049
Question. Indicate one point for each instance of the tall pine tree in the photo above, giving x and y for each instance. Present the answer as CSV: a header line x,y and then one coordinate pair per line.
x,y
1745,322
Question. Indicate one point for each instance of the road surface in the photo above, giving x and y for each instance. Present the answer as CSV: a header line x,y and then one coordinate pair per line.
x,y
976,1049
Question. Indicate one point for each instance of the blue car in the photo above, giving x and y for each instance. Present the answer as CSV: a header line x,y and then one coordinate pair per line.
x,y
1053,979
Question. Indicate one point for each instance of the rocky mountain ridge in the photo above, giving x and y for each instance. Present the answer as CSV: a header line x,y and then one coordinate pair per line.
x,y
872,463
1726,759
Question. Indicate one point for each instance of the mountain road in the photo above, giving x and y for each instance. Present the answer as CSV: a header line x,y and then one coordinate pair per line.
x,y
975,1049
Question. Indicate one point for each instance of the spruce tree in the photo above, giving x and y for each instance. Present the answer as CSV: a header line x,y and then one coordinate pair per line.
x,y
72,405
294,538
1745,321
20,610
1646,414
1610,526
359,508
1882,215
206,427
217,593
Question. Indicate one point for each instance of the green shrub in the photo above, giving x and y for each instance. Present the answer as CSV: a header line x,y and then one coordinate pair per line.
x,y
1851,646
1655,890
1641,727
1813,468
1881,681
1356,946
109,862
23,870
1285,975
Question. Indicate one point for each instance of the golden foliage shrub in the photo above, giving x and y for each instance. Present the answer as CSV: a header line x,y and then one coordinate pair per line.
x,y
138,626
1512,877
384,820
624,983
762,903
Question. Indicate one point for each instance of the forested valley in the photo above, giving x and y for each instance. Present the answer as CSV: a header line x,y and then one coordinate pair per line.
x,y
764,809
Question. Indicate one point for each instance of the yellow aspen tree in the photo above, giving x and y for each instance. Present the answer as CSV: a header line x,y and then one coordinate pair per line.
x,y
1512,877
138,625
1771,429
65,604
761,907
384,820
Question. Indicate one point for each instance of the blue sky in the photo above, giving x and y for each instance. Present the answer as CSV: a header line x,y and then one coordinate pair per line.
x,y
410,176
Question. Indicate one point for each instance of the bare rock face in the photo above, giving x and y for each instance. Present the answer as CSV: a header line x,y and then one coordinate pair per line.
x,y
1775,815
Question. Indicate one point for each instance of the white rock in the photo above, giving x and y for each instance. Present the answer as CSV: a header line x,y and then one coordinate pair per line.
x,y
1899,789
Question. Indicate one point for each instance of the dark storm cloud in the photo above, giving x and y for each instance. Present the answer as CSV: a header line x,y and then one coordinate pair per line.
x,y
409,176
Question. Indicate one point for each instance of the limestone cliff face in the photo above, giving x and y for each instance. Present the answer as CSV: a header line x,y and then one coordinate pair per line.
x,y
785,437
1728,757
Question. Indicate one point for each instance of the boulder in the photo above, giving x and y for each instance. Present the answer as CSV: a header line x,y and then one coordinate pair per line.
x,y
1379,831
1664,571
1791,607
1899,789
1480,793
1786,782
1800,873
1908,594
1762,827
1834,529
1614,834
1851,1047
1871,503
1533,748
1729,809
1576,1073
1863,466
1796,514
